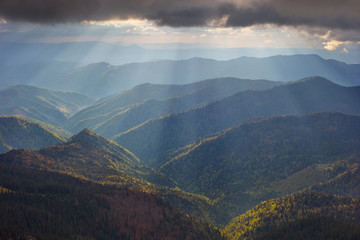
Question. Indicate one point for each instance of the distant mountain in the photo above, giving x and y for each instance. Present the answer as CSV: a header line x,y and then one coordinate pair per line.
x,y
294,67
310,95
115,53
41,104
249,163
16,132
121,112
36,204
102,79
32,73
303,216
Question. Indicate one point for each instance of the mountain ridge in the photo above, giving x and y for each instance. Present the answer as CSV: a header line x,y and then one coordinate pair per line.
x,y
89,155
41,104
111,79
17,132
96,158
259,159
156,136
111,116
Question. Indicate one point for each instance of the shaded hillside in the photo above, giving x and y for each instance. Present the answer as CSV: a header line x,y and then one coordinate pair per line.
x,y
16,132
58,130
314,94
91,156
311,208
344,178
119,113
115,104
259,159
41,104
47,205
102,79
313,228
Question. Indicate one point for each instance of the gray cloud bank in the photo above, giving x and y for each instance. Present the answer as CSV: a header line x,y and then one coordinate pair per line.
x,y
332,14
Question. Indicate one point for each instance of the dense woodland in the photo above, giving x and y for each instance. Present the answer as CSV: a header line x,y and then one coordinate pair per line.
x,y
48,205
88,155
313,228
216,159
275,213
262,159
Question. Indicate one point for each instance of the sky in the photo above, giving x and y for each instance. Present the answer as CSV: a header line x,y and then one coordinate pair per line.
x,y
333,25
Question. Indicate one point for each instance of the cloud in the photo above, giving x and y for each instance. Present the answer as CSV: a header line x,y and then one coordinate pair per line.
x,y
189,13
332,45
341,18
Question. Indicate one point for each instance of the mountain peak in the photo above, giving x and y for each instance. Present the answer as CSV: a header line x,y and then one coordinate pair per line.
x,y
85,135
87,131
314,80
87,139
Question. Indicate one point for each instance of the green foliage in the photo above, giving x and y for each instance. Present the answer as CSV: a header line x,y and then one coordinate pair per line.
x,y
16,132
157,136
266,158
275,213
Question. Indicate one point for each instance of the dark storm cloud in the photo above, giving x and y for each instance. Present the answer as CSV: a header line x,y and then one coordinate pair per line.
x,y
340,14
259,14
184,18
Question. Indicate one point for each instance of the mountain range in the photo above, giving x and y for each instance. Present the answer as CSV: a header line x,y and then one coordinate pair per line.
x,y
121,112
154,137
102,79
234,170
90,156
89,52
223,158
247,162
